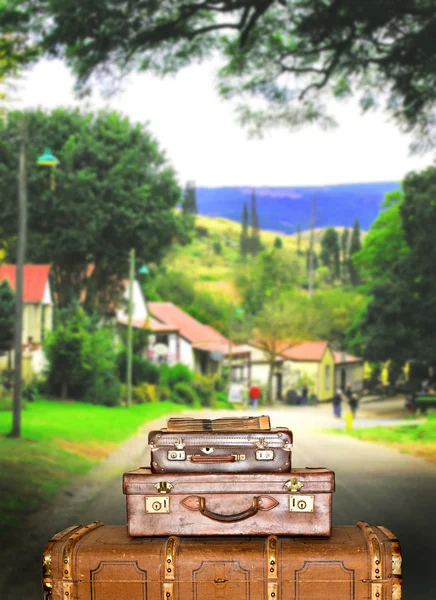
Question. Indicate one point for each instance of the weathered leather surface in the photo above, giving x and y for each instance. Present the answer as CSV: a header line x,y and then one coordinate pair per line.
x,y
216,445
229,498
355,563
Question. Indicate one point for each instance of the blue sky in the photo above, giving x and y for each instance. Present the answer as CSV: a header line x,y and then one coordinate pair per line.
x,y
204,142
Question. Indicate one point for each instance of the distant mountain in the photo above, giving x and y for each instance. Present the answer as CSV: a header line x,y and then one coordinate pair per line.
x,y
283,209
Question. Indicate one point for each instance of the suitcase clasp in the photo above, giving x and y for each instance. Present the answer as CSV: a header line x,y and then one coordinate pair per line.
x,y
293,485
163,487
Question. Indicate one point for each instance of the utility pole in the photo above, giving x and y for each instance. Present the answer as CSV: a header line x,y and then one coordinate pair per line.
x,y
21,252
311,244
129,327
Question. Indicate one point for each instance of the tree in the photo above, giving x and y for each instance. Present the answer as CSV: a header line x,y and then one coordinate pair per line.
x,y
243,241
114,191
7,316
278,243
269,275
345,235
355,246
383,51
277,327
254,243
298,239
189,204
329,255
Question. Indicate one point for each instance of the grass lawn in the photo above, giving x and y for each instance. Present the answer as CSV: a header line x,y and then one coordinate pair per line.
x,y
60,440
419,440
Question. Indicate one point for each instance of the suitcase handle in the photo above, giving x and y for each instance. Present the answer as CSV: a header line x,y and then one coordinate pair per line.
x,y
258,503
230,458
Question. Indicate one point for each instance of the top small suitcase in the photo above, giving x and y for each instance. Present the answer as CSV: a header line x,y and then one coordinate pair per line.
x,y
267,451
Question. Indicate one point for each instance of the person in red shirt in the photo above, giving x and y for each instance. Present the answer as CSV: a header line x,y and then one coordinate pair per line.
x,y
254,395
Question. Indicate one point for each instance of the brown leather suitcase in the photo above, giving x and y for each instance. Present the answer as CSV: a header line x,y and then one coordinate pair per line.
x,y
295,503
221,451
103,563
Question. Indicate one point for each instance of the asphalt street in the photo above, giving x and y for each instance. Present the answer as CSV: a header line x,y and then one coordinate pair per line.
x,y
373,483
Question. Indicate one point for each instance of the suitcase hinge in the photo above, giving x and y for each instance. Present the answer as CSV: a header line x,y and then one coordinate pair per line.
x,y
293,485
164,487
272,568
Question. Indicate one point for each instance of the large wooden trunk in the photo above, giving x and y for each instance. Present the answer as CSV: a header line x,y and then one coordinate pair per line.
x,y
295,503
103,563
221,451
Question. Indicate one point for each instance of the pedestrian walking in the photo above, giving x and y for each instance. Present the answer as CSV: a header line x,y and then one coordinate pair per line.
x,y
353,404
254,395
337,402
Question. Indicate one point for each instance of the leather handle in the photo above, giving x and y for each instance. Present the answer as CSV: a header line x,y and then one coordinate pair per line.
x,y
197,458
258,503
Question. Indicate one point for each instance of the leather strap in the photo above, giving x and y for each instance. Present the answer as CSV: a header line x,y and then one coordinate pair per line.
x,y
258,503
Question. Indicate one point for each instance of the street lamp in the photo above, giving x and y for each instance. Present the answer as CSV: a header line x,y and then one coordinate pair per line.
x,y
143,271
46,160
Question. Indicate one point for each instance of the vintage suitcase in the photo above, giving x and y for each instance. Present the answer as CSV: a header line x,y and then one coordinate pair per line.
x,y
103,563
295,503
221,452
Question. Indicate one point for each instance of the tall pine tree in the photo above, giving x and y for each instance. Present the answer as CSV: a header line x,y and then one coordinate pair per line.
x,y
189,204
255,233
330,253
345,236
355,246
244,240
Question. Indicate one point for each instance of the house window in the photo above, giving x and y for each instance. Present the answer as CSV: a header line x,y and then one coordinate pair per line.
x,y
327,377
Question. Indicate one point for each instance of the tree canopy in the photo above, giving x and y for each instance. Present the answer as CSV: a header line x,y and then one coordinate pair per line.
x,y
114,191
295,54
7,316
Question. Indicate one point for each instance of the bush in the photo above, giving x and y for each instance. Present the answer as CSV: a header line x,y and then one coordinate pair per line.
x,y
176,287
217,248
144,393
81,360
204,388
164,393
185,394
30,392
143,370
201,231
278,243
171,376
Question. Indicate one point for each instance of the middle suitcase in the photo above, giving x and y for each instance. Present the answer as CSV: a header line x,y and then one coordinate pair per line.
x,y
295,503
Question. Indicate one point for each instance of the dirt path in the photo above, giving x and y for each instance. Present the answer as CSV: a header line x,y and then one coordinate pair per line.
x,y
374,483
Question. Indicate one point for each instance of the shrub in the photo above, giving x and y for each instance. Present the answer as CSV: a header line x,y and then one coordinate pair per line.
x,y
30,392
144,393
217,248
171,376
278,243
176,287
81,360
164,393
201,231
143,370
204,388
185,394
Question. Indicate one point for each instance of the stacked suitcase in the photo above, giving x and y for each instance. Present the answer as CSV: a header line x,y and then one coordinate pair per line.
x,y
222,514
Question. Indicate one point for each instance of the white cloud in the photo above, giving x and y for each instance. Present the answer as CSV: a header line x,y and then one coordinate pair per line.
x,y
202,139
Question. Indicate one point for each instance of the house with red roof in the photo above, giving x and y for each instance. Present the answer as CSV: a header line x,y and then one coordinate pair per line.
x,y
37,315
176,337
313,363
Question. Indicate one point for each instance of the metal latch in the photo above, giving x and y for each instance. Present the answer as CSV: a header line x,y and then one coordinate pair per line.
x,y
176,455
157,504
264,454
294,485
163,487
301,503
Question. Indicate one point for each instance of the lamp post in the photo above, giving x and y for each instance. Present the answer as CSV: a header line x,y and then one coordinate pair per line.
x,y
47,160
143,271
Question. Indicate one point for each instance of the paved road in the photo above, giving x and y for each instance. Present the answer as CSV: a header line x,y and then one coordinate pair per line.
x,y
374,483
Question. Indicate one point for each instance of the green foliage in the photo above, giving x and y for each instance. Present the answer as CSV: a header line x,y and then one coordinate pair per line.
x,y
267,276
330,252
355,246
381,51
114,191
217,247
204,388
175,287
170,376
143,370
243,242
189,203
278,243
184,393
144,393
81,360
7,316
254,245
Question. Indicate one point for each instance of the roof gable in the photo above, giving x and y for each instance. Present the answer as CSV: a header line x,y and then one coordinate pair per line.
x,y
35,279
307,351
189,328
